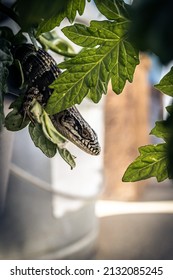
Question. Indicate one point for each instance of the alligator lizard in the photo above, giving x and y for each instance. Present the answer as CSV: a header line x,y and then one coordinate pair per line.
x,y
40,70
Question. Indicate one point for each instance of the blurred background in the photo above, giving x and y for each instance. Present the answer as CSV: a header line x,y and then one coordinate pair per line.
x,y
51,212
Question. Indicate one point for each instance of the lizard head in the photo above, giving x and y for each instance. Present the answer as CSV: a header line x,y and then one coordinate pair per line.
x,y
72,126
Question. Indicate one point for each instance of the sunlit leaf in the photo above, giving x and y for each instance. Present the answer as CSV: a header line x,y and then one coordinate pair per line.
x,y
152,162
109,55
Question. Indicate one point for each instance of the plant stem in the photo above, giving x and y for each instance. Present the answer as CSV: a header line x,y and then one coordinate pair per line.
x,y
9,12
52,47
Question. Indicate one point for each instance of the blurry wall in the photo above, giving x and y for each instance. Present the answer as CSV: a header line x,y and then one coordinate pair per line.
x,y
126,128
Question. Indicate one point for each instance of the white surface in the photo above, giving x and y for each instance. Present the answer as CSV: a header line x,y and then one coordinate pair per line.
x,y
85,180
111,208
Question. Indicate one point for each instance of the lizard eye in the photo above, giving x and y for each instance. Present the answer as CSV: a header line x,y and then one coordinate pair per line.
x,y
85,133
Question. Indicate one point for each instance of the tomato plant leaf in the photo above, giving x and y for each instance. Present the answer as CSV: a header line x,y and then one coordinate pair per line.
x,y
161,130
67,156
166,84
112,9
31,13
152,162
73,6
107,55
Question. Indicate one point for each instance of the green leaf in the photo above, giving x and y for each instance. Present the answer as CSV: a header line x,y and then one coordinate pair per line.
x,y
40,116
161,130
166,83
15,121
72,8
49,131
62,46
90,71
49,24
57,45
112,9
169,109
41,141
169,124
151,27
31,13
5,61
152,162
67,156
